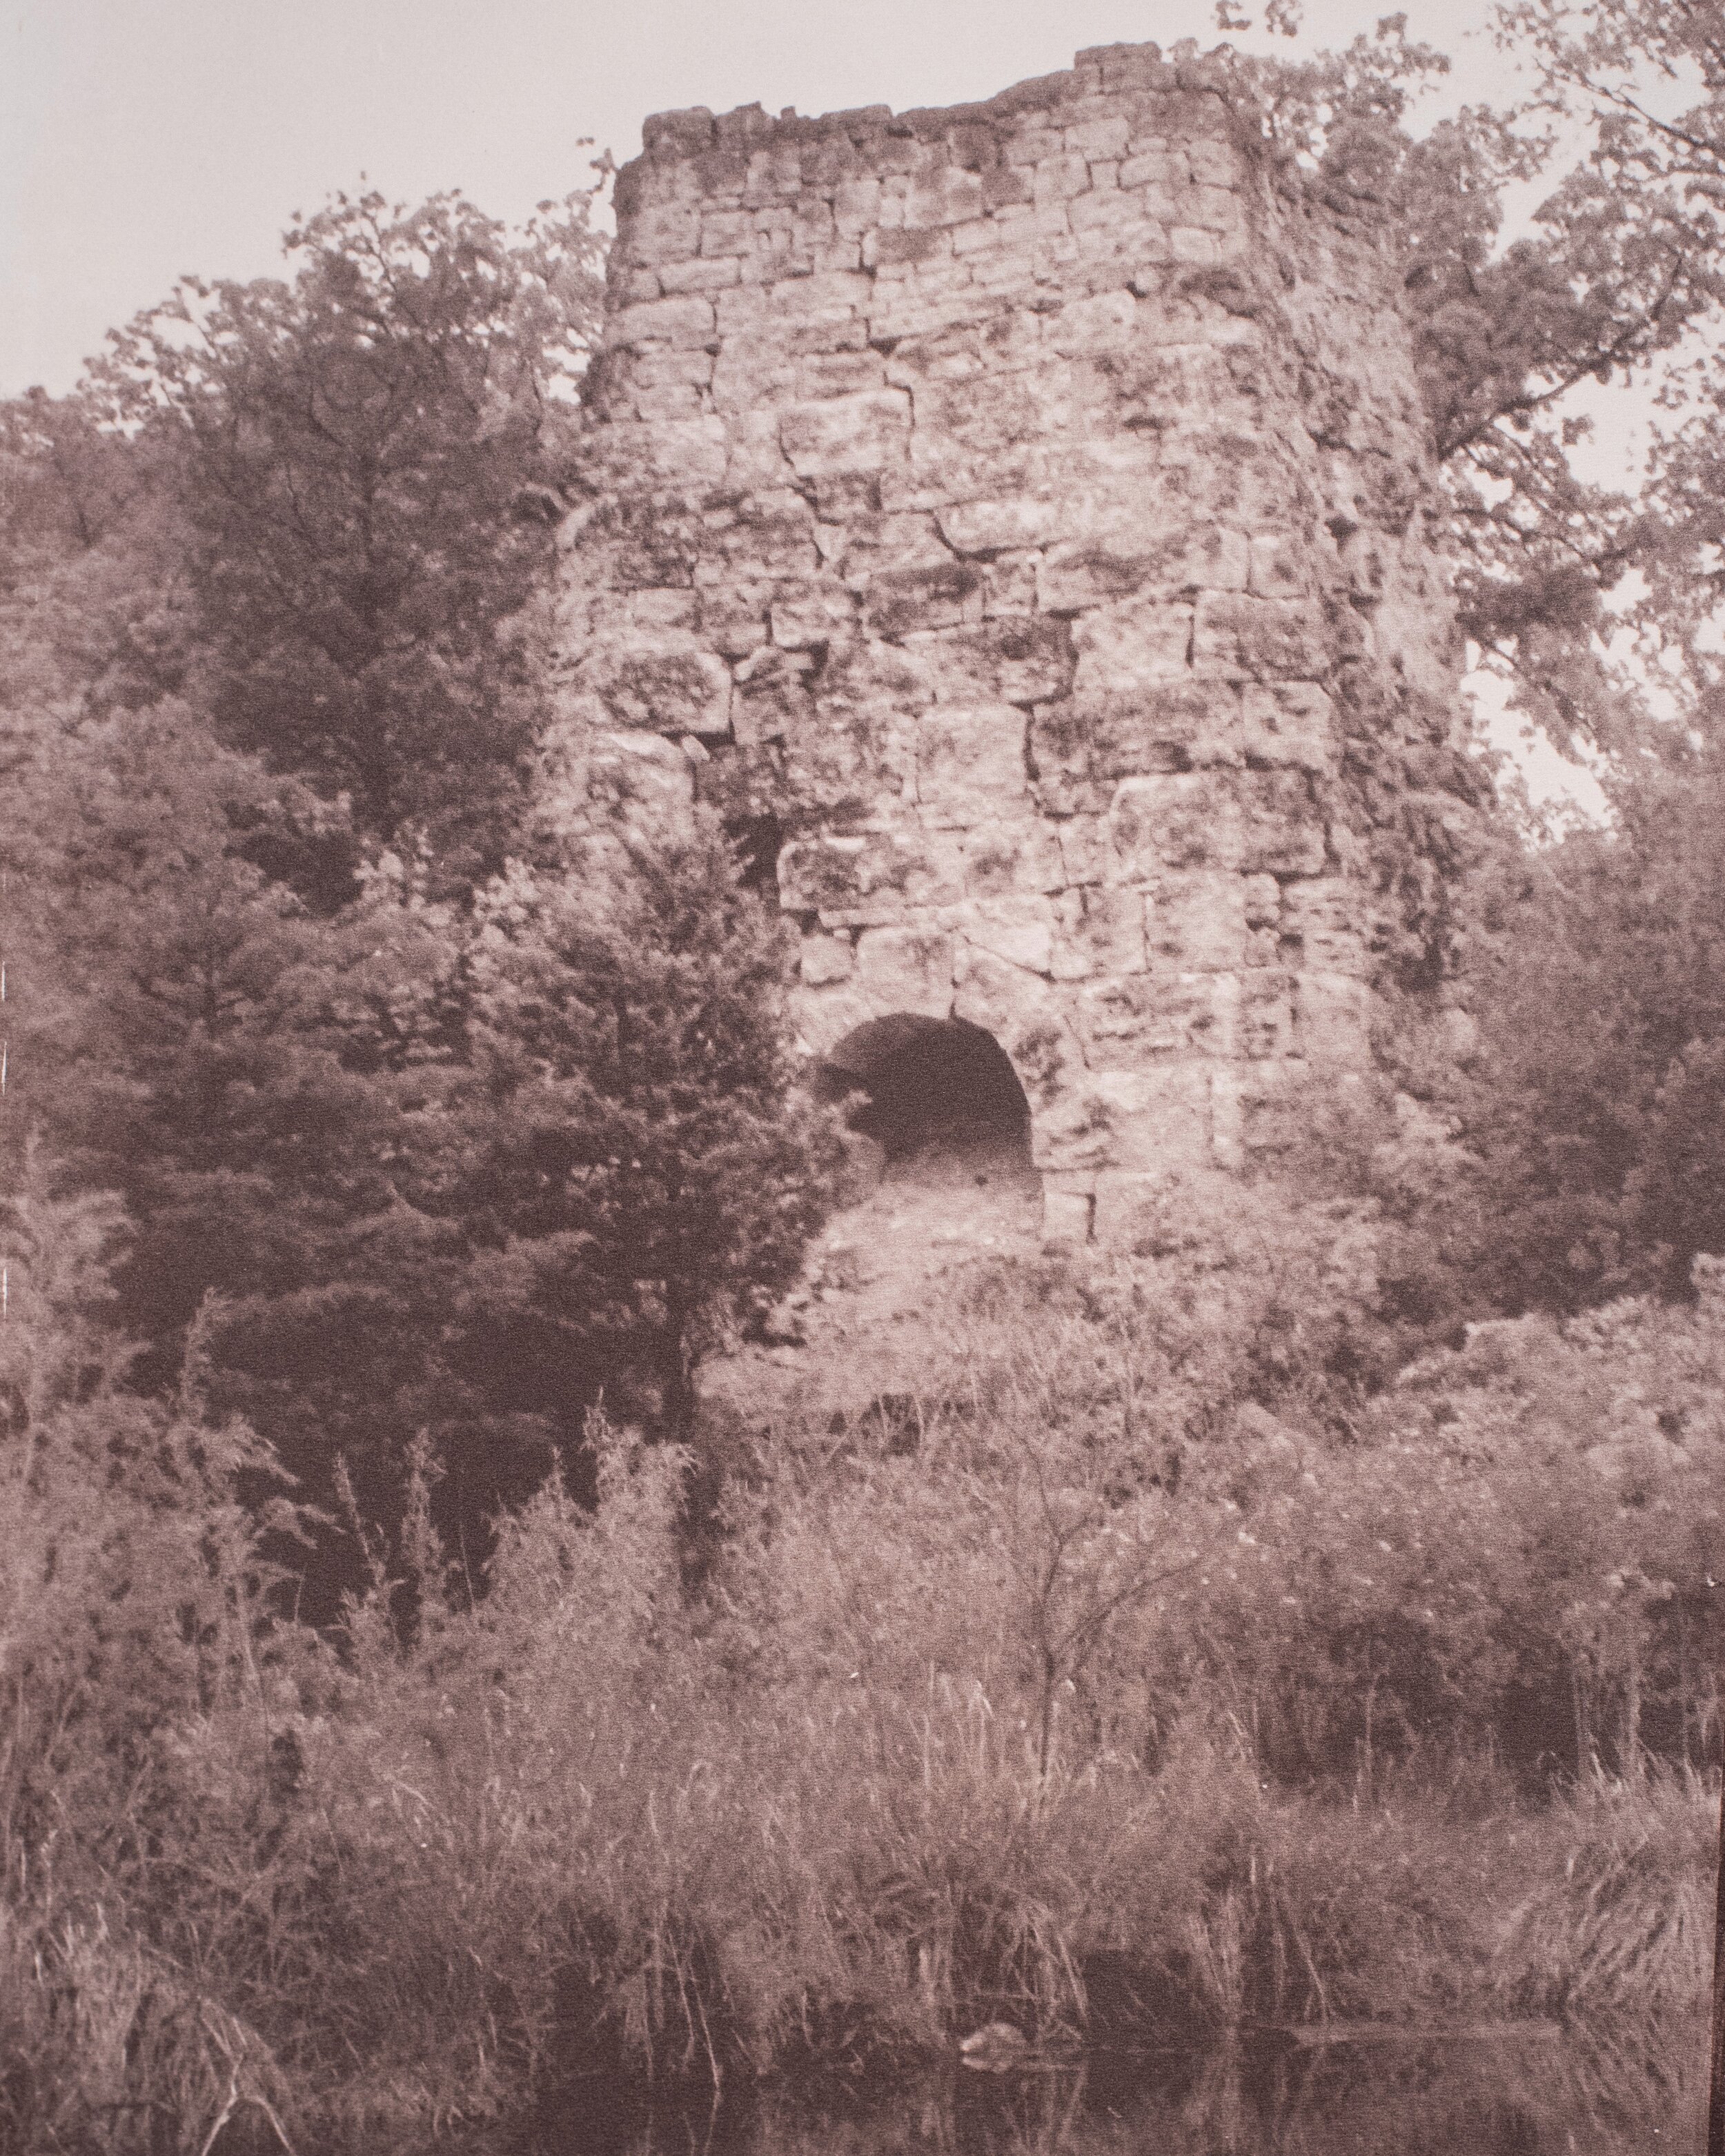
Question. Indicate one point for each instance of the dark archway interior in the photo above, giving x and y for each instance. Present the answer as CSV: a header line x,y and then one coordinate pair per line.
x,y
926,1082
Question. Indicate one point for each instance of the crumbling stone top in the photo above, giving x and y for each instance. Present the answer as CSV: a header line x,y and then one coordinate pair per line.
x,y
1099,72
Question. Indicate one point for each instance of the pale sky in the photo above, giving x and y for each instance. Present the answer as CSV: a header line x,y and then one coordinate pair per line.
x,y
140,140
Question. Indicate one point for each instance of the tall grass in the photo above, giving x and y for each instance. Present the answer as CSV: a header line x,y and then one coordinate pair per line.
x,y
1625,1929
1109,1707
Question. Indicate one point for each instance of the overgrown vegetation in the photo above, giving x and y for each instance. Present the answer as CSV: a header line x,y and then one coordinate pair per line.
x,y
1115,1699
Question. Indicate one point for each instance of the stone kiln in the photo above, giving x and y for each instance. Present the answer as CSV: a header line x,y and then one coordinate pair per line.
x,y
1015,518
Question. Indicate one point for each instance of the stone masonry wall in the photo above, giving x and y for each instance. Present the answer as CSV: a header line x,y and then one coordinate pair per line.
x,y
1018,515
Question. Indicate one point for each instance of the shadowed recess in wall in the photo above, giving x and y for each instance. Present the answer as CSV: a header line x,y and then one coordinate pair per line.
x,y
923,1082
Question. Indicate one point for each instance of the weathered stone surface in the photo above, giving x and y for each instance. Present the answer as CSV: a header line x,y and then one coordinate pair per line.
x,y
1024,511
906,969
970,763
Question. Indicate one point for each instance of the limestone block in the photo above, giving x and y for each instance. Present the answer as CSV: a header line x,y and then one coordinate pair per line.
x,y
1196,922
868,540
1010,586
664,231
1215,209
1280,565
1264,901
825,959
824,1018
1005,185
733,619
680,692
1133,1209
727,233
890,250
685,323
939,595
1270,1098
659,384
1126,1023
1133,644
1176,726
1281,829
642,778
1238,638
1215,164
871,879
856,204
998,527
824,374
811,612
1075,1131
1221,468
1290,722
1195,248
1158,167
1103,323
686,457
906,969
1144,553
845,765
771,695
1024,1014
659,619
754,462
820,310
1184,820
1107,208
983,239
1025,659
1105,137
1332,1015
866,676
774,174
1227,1119
1161,1118
947,195
1086,850
705,275
1018,929
761,535
1319,927
1019,854
1067,1208
1159,386
970,763
1061,176
1033,143
1099,932
1267,1015
843,434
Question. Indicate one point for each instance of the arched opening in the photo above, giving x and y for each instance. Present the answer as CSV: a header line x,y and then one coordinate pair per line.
x,y
932,1093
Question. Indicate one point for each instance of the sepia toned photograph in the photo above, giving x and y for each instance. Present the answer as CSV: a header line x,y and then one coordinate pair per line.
x,y
862,1078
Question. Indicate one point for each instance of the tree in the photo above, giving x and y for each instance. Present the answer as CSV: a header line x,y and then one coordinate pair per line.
x,y
641,1164
252,1078
92,612
1594,1107
365,460
1612,278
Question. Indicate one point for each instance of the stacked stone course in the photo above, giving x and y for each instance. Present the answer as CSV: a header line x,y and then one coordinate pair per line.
x,y
1020,511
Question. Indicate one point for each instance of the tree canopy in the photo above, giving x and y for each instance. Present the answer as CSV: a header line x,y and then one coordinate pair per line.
x,y
364,460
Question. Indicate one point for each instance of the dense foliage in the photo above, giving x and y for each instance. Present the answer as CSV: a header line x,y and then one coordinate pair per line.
x,y
428,1147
